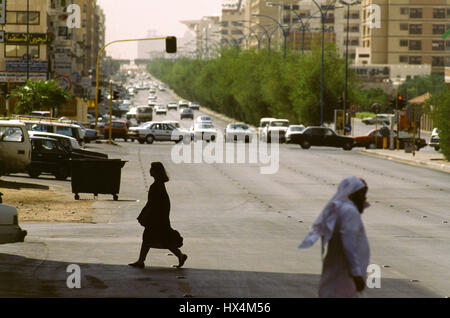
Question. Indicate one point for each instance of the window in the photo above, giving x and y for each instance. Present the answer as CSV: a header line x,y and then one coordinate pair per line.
x,y
225,32
404,11
11,134
235,23
438,28
438,45
439,13
236,32
403,42
415,45
415,60
16,50
66,131
415,13
224,23
415,29
404,26
447,45
20,17
403,59
437,61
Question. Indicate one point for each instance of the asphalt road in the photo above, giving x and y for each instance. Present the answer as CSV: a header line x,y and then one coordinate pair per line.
x,y
241,228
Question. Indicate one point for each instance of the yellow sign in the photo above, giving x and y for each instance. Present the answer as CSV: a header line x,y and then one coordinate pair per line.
x,y
35,38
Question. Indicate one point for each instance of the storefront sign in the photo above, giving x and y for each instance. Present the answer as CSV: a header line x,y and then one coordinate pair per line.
x,y
2,11
372,71
16,77
21,38
21,66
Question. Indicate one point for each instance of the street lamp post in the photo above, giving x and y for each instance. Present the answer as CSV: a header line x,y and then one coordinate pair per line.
x,y
285,30
323,14
304,26
348,3
269,36
28,39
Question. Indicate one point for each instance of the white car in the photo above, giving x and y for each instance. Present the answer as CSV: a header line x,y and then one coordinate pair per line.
x,y
183,104
279,126
203,119
194,106
158,131
172,106
172,122
152,97
238,132
10,232
204,131
294,130
160,110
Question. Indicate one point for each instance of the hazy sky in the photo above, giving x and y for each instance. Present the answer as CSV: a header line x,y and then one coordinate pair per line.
x,y
132,18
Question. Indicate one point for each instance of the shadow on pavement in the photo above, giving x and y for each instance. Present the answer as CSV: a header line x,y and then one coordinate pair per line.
x,y
26,277
21,185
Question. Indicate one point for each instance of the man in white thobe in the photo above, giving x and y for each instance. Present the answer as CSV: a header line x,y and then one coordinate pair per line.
x,y
341,229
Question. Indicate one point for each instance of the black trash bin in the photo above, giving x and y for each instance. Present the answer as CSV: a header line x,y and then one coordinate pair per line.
x,y
100,176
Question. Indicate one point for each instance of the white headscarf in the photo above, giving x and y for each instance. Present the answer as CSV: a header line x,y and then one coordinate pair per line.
x,y
324,225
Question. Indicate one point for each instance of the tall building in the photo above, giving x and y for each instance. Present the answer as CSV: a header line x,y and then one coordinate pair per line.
x,y
232,26
410,33
207,35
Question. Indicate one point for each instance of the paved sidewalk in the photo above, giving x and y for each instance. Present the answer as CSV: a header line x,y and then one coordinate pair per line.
x,y
433,160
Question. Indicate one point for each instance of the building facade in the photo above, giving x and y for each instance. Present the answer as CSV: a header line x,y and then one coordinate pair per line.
x,y
207,35
410,32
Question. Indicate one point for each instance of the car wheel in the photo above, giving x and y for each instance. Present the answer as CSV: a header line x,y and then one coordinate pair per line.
x,y
149,139
347,146
33,173
305,145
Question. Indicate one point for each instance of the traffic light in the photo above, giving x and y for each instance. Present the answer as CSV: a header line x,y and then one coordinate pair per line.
x,y
100,97
402,102
171,44
116,95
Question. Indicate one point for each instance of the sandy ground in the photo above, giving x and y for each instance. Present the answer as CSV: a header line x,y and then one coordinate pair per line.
x,y
46,205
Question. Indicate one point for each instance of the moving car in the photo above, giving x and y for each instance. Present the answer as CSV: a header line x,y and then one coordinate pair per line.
x,y
262,124
204,131
144,114
158,131
15,147
276,126
183,104
152,97
434,141
10,232
293,130
119,129
186,113
160,110
321,136
194,106
238,132
203,119
374,140
172,106
172,122
382,119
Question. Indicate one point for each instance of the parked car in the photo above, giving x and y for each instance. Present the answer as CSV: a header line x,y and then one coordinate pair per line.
x,y
10,231
435,141
119,129
15,147
322,136
293,130
238,132
89,134
172,106
55,127
203,131
160,110
48,156
382,119
374,139
203,119
158,131
186,113
71,145
194,106
276,126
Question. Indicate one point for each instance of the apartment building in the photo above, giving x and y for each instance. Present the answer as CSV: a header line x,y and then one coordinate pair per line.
x,y
410,33
232,27
207,35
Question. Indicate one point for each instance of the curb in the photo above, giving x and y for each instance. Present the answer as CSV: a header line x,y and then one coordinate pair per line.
x,y
421,163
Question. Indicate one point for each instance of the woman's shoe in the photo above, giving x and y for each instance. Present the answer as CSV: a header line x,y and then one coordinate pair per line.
x,y
182,260
137,264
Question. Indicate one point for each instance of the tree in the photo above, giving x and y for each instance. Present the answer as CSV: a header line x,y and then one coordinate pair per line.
x,y
39,95
440,105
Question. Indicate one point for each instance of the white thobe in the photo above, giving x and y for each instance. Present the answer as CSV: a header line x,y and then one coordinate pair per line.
x,y
347,255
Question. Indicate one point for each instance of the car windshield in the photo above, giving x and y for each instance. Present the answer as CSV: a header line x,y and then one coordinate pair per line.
x,y
238,126
145,110
297,128
279,123
205,126
187,111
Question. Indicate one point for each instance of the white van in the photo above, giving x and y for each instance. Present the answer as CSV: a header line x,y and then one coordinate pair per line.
x,y
55,127
15,147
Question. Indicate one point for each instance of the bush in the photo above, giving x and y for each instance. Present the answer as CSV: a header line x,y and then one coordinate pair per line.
x,y
440,104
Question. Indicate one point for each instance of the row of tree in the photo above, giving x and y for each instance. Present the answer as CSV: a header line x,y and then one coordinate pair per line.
x,y
250,84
